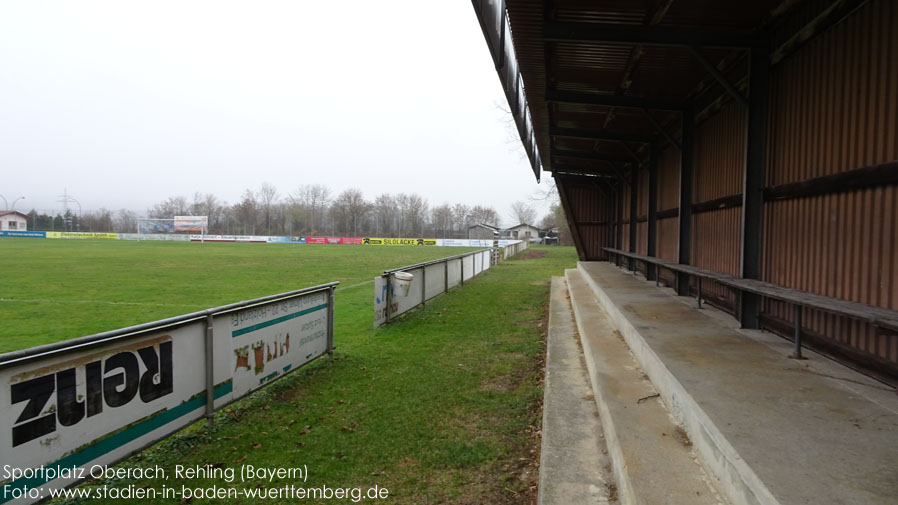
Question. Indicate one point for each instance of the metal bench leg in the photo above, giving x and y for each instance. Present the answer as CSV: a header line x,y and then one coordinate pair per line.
x,y
699,299
797,353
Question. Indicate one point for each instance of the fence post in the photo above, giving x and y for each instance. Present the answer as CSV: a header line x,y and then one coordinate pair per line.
x,y
210,377
462,270
330,321
389,295
423,285
446,276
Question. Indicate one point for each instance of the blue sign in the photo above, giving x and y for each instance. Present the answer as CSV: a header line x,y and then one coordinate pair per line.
x,y
29,234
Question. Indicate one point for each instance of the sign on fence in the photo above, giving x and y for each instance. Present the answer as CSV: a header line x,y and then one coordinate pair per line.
x,y
96,400
429,280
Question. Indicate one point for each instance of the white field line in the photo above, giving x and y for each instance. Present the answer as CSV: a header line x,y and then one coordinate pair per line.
x,y
99,302
107,302
354,285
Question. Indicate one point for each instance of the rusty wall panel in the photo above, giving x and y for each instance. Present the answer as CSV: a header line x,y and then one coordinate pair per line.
x,y
720,154
668,178
668,198
834,109
625,241
642,206
835,101
842,246
719,162
667,238
716,240
589,209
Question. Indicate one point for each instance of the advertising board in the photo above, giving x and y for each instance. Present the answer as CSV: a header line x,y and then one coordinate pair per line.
x,y
97,399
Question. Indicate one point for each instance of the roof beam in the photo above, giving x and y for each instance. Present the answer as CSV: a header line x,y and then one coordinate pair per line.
x,y
657,35
590,171
585,98
583,155
661,129
599,135
718,75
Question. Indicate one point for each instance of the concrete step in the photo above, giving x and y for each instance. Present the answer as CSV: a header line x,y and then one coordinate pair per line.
x,y
770,429
652,457
574,466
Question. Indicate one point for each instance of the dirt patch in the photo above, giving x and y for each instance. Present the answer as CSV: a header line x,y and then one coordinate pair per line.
x,y
531,254
684,438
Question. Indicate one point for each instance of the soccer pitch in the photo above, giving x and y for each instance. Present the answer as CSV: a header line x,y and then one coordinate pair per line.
x,y
61,289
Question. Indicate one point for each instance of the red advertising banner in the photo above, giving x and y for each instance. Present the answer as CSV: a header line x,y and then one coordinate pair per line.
x,y
351,240
316,240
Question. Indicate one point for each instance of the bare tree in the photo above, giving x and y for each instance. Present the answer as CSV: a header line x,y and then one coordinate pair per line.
x,y
441,219
171,207
385,215
247,211
350,209
314,198
486,215
268,194
413,209
461,216
523,213
209,206
125,221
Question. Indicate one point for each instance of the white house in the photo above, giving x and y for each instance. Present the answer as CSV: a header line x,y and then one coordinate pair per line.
x,y
11,220
523,231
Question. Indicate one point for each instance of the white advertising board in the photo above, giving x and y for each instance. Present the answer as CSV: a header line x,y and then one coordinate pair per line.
x,y
433,280
98,405
271,340
102,399
191,223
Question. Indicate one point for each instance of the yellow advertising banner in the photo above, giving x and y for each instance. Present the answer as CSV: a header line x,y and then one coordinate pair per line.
x,y
81,234
399,241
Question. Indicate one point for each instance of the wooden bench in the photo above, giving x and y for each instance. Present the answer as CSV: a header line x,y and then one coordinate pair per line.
x,y
877,316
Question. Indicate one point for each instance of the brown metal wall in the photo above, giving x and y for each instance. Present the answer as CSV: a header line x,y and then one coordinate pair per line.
x,y
668,198
834,107
718,171
590,213
625,243
642,206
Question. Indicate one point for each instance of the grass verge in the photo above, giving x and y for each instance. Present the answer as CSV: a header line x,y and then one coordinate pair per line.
x,y
442,406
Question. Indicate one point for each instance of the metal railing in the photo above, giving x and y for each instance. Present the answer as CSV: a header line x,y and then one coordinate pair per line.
x,y
432,278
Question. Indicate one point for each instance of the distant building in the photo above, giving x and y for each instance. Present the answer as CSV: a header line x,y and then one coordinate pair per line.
x,y
11,220
524,231
482,231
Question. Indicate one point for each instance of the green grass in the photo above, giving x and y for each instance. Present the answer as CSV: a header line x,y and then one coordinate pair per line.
x,y
441,406
62,289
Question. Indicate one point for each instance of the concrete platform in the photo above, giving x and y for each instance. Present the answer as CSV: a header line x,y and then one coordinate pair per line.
x,y
651,455
771,430
574,466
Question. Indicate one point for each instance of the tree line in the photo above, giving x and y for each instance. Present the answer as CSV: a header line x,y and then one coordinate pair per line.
x,y
312,209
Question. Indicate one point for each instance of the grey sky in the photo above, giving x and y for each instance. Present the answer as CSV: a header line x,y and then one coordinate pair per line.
x,y
126,103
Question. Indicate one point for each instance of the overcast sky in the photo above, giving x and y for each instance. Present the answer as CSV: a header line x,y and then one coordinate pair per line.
x,y
124,103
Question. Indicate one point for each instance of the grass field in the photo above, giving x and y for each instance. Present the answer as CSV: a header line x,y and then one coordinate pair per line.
x,y
62,289
441,406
